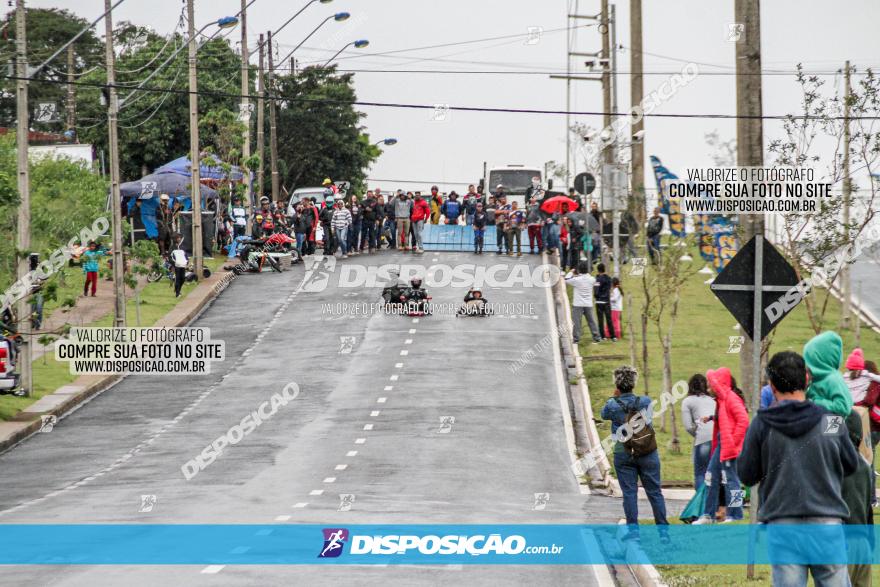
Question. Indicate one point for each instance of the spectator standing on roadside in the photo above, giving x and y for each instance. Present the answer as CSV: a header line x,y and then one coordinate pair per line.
x,y
451,209
534,220
354,231
421,212
481,219
91,259
502,209
326,217
402,212
180,262
799,464
165,225
470,205
730,423
369,219
697,412
515,222
436,204
655,227
390,227
340,225
632,468
858,379
582,302
616,307
603,303
302,225
596,231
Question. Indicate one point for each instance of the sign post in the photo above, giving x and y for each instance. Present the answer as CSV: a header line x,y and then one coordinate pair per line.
x,y
759,287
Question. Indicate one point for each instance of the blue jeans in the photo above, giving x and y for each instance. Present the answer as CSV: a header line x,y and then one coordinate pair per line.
x,y
469,219
629,471
300,238
781,546
553,236
702,454
369,234
354,235
545,235
654,248
723,474
391,226
342,239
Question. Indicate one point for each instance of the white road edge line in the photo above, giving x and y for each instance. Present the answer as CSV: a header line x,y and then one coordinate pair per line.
x,y
212,569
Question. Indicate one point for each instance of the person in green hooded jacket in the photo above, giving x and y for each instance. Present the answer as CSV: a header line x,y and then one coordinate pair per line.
x,y
827,388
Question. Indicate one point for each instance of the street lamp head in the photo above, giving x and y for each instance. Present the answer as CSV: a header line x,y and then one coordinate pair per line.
x,y
340,16
360,44
390,142
227,22
326,1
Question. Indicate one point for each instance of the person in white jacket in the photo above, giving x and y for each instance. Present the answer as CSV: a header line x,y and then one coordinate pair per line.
x,y
582,303
616,306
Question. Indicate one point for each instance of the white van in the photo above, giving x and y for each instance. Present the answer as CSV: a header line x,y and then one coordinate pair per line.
x,y
301,194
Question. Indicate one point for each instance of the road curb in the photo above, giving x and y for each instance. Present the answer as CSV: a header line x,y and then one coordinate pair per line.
x,y
69,397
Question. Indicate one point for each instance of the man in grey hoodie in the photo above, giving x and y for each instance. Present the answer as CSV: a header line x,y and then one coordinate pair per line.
x,y
403,208
799,453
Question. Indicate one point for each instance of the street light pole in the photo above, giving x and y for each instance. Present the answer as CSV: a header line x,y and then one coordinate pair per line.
x,y
261,122
115,197
195,159
23,241
615,193
273,125
245,101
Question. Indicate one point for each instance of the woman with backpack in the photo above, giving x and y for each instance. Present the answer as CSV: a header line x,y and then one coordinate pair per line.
x,y
731,420
635,452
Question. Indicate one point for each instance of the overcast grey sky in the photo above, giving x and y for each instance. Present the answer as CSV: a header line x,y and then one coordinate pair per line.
x,y
820,34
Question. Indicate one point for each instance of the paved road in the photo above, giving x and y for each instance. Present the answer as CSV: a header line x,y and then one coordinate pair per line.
x,y
366,422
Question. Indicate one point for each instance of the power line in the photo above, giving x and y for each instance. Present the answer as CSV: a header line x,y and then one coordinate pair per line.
x,y
484,109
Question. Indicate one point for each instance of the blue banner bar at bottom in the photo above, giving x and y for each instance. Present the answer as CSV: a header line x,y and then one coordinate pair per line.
x,y
294,544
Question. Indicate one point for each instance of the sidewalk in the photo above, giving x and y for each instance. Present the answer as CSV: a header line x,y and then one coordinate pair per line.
x,y
31,420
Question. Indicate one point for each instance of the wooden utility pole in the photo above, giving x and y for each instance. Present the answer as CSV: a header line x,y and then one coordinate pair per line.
x,y
273,125
245,101
71,90
23,241
115,196
750,152
261,122
605,29
194,150
845,279
636,96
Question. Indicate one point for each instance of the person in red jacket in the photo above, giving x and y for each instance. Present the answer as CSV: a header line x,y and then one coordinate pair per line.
x,y
731,420
421,212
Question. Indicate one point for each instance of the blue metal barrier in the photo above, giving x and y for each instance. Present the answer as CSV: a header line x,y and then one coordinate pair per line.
x,y
456,237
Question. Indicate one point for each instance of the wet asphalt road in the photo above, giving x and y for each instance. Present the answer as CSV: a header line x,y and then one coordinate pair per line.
x,y
366,422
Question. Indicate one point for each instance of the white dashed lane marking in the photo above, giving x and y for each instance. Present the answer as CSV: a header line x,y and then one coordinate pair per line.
x,y
374,414
212,569
360,441
389,387
381,400
394,378
398,365
240,550
368,426
351,453
330,480
301,504
316,492
341,467
404,353
282,518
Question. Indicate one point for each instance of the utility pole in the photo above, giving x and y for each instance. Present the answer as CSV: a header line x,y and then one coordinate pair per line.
x,y
261,122
845,281
605,29
636,97
71,90
115,197
246,104
750,153
195,156
615,192
273,125
567,99
23,242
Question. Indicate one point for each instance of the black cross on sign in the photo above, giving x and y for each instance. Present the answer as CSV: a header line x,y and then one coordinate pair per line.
x,y
763,269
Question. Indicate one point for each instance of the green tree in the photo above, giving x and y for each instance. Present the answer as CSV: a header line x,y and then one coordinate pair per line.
x,y
319,130
47,30
153,122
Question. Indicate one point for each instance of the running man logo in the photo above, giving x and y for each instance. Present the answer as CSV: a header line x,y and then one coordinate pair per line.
x,y
735,32
638,266
346,500
318,275
334,542
541,501
833,424
148,502
446,423
47,422
440,113
737,497
736,344
346,344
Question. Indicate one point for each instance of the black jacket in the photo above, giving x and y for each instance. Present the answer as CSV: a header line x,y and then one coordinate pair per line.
x,y
799,453
326,216
603,288
481,219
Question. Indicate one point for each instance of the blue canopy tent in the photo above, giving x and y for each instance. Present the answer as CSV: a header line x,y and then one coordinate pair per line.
x,y
183,166
147,191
